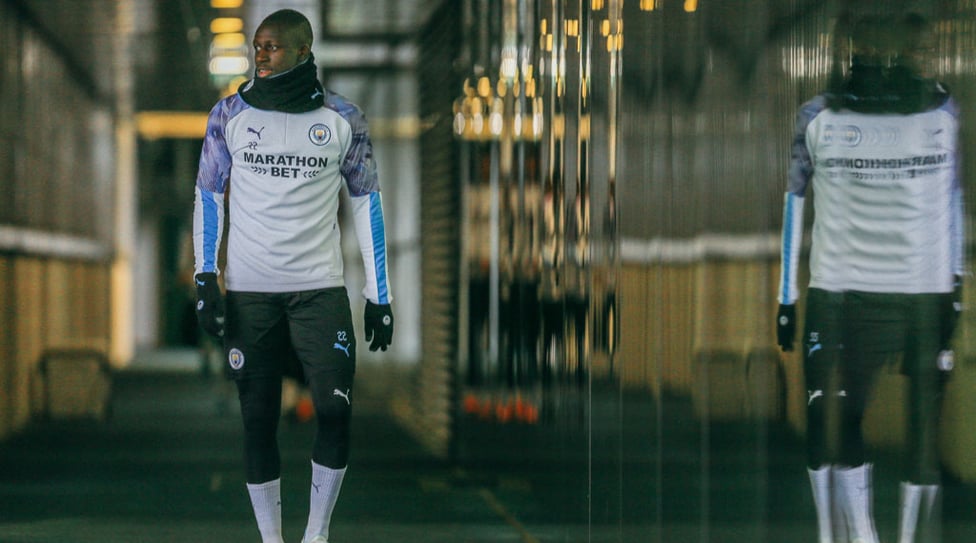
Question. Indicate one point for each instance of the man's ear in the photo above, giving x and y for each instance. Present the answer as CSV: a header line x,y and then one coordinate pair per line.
x,y
304,52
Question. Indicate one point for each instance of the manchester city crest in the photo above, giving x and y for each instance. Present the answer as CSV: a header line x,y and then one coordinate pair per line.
x,y
236,359
319,134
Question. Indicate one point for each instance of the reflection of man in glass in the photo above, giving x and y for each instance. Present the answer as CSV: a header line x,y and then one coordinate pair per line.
x,y
880,151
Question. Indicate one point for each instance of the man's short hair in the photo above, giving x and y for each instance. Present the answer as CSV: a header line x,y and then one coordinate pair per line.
x,y
877,37
292,22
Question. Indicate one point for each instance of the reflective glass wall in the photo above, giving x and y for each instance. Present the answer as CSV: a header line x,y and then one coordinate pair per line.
x,y
621,168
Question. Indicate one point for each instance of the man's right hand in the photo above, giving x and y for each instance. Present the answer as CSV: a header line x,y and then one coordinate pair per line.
x,y
210,304
786,326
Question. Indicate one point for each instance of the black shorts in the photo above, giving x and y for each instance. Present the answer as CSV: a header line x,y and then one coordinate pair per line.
x,y
277,334
868,329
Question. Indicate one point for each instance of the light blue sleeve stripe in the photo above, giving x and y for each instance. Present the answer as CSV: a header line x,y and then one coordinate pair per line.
x,y
379,247
787,250
211,229
957,232
790,248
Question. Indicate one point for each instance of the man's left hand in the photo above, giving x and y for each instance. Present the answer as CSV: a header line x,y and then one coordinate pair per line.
x,y
786,326
951,312
379,325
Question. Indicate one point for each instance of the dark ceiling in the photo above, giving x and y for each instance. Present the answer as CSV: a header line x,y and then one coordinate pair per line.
x,y
169,40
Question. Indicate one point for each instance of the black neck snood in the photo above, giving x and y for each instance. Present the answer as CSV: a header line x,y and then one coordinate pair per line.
x,y
296,91
877,89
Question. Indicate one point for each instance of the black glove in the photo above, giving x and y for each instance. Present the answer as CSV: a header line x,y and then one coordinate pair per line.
x,y
951,311
210,304
379,325
786,326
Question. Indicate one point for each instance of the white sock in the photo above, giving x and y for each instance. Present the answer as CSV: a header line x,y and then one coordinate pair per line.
x,y
266,501
911,497
820,484
929,493
931,512
854,488
837,510
324,493
917,505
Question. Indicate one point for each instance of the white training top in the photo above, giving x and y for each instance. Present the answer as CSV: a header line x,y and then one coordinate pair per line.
x,y
887,201
284,173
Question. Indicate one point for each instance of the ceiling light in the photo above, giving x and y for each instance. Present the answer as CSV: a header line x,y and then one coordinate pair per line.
x,y
223,25
171,124
228,65
229,41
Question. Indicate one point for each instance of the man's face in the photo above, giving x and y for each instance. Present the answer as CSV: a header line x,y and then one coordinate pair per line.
x,y
276,51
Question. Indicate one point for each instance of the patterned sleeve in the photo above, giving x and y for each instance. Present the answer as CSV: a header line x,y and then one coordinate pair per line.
x,y
358,165
801,162
212,178
359,170
798,177
215,158
958,216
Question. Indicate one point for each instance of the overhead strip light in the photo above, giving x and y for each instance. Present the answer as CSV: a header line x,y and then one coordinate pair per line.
x,y
224,25
153,125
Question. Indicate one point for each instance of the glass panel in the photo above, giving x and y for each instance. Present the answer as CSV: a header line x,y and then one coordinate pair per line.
x,y
627,255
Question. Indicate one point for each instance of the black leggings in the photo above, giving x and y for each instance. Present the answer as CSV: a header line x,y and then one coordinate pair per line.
x,y
260,399
848,339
